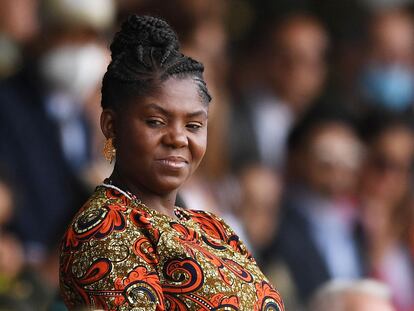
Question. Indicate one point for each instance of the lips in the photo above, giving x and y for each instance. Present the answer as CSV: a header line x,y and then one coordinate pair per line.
x,y
173,162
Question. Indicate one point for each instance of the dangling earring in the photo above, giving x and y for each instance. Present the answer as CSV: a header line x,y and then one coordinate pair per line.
x,y
109,150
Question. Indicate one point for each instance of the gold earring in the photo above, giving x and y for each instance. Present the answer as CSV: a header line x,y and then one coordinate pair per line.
x,y
109,150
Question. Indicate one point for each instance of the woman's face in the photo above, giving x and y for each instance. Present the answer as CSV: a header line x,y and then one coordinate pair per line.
x,y
332,160
160,140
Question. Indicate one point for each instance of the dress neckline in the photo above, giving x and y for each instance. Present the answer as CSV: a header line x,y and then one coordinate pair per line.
x,y
178,211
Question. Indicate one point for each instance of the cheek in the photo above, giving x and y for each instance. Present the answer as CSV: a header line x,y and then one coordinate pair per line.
x,y
137,142
198,146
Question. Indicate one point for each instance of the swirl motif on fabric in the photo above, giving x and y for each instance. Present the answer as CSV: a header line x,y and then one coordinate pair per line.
x,y
120,255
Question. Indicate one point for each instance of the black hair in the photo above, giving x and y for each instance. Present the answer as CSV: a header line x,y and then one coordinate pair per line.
x,y
146,52
376,121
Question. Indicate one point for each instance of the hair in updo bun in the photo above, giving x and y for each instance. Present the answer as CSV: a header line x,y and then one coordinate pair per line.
x,y
146,52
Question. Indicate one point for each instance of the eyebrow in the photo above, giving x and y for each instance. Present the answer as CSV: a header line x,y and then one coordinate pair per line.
x,y
198,113
160,109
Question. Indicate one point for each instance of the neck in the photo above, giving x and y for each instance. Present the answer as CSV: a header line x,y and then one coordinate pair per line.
x,y
163,203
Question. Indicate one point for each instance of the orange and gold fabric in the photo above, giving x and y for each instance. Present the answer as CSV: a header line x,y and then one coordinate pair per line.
x,y
117,254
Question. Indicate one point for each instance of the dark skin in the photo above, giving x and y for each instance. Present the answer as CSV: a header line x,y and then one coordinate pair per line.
x,y
160,140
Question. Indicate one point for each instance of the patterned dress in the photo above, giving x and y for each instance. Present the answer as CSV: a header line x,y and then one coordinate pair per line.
x,y
120,255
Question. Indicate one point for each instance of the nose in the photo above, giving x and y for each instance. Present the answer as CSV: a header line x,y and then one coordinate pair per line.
x,y
175,137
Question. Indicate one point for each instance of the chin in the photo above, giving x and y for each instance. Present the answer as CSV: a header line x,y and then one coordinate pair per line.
x,y
169,184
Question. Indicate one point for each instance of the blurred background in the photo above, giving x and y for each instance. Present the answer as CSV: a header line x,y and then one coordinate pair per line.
x,y
311,135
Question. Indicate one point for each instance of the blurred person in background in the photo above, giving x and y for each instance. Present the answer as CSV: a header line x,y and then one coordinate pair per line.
x,y
318,236
387,203
291,70
19,25
20,288
260,191
295,62
286,71
45,133
72,61
258,213
387,71
362,295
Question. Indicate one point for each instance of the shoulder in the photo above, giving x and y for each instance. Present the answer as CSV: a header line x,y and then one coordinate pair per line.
x,y
106,250
105,215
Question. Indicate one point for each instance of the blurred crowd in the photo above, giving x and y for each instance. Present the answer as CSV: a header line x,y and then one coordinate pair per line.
x,y
311,139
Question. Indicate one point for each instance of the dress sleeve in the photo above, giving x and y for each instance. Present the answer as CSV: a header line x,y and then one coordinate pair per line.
x,y
110,264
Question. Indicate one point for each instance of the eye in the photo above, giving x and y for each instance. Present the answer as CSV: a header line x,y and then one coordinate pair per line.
x,y
194,126
155,122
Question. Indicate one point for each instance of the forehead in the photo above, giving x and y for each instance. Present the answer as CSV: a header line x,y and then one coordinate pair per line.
x,y
302,36
175,95
332,131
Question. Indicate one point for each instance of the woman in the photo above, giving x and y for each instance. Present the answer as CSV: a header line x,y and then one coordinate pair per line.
x,y
129,246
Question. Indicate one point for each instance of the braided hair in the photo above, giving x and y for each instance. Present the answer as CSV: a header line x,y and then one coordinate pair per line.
x,y
146,52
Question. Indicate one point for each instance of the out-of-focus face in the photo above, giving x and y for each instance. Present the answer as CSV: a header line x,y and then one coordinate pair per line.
x,y
387,74
364,302
297,65
161,139
261,190
19,18
386,173
331,160
392,39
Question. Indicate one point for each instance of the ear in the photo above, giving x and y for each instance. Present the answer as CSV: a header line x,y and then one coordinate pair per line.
x,y
108,121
